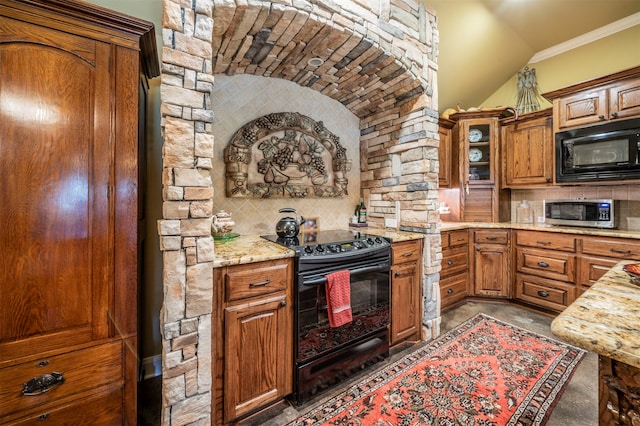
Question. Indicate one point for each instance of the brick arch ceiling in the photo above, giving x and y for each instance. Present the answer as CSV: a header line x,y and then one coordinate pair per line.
x,y
276,42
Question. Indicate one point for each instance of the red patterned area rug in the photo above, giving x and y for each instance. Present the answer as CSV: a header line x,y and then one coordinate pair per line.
x,y
483,372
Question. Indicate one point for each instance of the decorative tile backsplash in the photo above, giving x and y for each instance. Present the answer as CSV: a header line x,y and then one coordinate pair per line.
x,y
240,99
627,194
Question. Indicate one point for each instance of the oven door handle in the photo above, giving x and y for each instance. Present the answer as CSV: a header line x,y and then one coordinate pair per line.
x,y
323,279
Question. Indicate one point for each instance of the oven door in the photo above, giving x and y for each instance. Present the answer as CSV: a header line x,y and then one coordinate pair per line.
x,y
370,295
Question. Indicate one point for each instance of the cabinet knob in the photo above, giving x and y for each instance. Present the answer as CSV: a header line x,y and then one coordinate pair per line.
x,y
397,274
283,303
449,262
543,293
614,115
478,249
601,117
450,291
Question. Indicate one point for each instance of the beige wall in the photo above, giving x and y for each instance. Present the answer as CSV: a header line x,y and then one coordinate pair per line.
x,y
605,56
242,98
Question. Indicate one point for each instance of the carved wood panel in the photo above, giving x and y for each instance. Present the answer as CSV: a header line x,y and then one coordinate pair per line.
x,y
285,155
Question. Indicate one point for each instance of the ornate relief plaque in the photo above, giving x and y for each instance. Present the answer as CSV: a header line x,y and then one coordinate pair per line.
x,y
285,154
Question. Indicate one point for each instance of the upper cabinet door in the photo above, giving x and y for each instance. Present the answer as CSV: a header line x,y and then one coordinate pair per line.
x,y
625,99
527,151
55,166
478,139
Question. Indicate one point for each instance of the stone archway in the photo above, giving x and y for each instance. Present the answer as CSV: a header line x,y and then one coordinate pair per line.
x,y
378,58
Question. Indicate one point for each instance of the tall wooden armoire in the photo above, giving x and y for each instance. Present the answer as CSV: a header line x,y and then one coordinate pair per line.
x,y
73,88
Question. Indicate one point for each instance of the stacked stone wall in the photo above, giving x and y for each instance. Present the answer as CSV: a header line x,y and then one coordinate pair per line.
x,y
379,60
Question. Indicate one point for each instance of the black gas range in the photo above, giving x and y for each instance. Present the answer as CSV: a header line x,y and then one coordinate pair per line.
x,y
331,243
326,355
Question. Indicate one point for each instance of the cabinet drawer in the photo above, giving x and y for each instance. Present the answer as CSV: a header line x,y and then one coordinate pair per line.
x,y
491,237
458,238
547,263
610,247
99,410
546,240
256,279
592,268
454,260
83,371
453,289
406,251
543,292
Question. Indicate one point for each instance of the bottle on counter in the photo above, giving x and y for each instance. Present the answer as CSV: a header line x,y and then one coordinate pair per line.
x,y
524,213
362,212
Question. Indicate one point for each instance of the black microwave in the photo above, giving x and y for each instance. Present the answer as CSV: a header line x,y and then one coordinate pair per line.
x,y
603,152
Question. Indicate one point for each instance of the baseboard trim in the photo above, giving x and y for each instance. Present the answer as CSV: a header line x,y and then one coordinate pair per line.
x,y
152,367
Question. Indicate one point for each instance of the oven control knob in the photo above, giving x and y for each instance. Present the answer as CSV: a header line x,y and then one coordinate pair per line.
x,y
370,240
319,248
308,249
334,248
378,240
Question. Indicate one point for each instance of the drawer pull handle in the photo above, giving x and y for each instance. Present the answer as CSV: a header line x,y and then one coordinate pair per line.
x,y
460,239
449,262
620,251
260,284
544,243
492,238
450,291
43,363
42,384
43,417
409,254
543,264
543,293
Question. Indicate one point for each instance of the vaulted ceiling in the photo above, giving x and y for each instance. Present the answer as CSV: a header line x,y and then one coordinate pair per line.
x,y
485,42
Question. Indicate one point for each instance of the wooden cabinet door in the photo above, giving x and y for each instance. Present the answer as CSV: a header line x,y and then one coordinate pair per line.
x,y
447,155
582,108
624,99
406,297
491,270
528,152
258,354
56,270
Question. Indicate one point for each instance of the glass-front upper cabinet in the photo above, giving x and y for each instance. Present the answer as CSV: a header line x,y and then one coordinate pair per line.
x,y
479,143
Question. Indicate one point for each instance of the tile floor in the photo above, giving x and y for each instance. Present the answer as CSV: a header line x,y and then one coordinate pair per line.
x,y
578,405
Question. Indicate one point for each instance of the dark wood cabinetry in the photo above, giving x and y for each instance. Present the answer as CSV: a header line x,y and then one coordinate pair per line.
x,y
527,150
74,79
611,97
447,154
474,193
406,291
491,275
254,338
454,274
618,402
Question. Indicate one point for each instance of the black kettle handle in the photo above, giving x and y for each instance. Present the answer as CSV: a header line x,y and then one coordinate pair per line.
x,y
287,210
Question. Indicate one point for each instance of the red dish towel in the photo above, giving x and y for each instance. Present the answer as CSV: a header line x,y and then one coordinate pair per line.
x,y
338,290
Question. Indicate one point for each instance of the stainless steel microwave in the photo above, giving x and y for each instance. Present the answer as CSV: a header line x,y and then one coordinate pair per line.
x,y
587,213
603,152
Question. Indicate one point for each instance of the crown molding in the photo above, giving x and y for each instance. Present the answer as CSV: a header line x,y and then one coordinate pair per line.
x,y
602,32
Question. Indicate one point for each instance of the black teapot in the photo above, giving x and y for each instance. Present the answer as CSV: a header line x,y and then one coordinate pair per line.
x,y
288,227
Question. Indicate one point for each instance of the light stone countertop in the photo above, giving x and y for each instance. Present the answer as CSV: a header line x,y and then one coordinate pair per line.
x,y
606,318
394,235
248,249
619,233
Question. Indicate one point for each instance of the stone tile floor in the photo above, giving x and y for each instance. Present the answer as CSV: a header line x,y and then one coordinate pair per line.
x,y
578,405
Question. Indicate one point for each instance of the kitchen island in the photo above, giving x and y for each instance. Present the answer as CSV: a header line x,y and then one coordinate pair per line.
x,y
605,320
